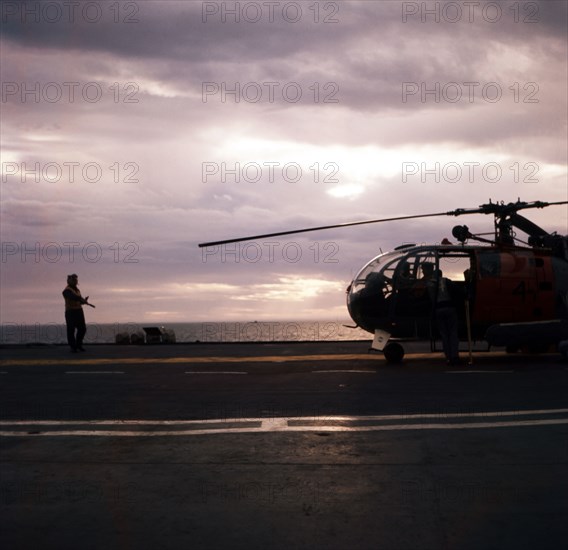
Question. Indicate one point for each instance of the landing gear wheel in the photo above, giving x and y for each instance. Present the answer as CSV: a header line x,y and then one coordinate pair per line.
x,y
394,353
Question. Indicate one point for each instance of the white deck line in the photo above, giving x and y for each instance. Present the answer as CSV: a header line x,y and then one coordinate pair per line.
x,y
282,424
287,428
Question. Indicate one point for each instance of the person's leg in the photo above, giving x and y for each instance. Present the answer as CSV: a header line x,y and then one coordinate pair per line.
x,y
70,322
453,340
447,319
81,328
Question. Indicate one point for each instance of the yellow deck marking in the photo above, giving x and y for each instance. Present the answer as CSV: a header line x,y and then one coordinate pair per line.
x,y
181,360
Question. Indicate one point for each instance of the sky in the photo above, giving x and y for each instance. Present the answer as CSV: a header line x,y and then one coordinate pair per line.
x,y
132,131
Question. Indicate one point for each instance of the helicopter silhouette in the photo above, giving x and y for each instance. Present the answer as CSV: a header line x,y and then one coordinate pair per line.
x,y
514,293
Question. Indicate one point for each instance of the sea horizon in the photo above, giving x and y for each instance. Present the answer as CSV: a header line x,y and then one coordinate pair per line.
x,y
187,332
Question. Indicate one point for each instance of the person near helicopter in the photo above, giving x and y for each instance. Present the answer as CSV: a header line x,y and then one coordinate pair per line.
x,y
420,295
443,294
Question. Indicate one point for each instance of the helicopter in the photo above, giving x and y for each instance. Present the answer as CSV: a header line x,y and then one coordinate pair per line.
x,y
515,293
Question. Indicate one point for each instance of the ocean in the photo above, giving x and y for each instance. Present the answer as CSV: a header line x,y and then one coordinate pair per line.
x,y
206,332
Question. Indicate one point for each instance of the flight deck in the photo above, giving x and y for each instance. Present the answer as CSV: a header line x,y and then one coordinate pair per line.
x,y
281,445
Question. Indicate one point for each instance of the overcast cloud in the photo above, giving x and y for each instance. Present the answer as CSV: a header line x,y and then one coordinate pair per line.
x,y
147,158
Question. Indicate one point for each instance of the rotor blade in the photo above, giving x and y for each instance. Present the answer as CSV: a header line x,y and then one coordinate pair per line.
x,y
491,208
540,204
502,209
321,228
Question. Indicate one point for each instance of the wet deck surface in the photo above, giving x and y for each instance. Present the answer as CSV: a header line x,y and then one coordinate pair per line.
x,y
316,445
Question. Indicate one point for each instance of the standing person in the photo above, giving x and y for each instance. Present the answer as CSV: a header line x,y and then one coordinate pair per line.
x,y
74,316
442,292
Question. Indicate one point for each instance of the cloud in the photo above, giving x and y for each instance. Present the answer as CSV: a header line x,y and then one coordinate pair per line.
x,y
152,134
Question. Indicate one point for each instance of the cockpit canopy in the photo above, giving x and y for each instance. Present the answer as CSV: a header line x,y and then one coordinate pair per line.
x,y
394,285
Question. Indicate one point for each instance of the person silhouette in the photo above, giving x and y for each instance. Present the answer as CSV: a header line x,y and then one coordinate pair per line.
x,y
443,294
74,316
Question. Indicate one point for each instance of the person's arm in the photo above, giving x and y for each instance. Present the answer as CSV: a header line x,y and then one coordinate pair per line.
x,y
69,295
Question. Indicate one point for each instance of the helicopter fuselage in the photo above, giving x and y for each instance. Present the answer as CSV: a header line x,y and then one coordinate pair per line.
x,y
497,286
